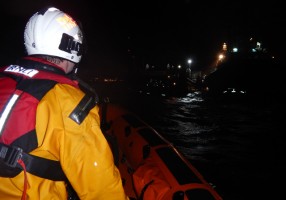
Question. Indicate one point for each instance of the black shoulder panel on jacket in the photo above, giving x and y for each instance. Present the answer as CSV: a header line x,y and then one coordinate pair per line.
x,y
83,108
36,87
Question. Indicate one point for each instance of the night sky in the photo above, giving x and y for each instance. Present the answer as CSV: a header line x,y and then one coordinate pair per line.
x,y
123,35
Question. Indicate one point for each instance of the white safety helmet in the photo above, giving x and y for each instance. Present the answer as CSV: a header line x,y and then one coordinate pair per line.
x,y
53,32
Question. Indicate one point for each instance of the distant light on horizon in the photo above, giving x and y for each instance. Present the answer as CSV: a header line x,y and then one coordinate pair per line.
x,y
235,49
221,56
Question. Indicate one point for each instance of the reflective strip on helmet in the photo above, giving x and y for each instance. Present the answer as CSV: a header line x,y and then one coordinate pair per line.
x,y
67,22
8,109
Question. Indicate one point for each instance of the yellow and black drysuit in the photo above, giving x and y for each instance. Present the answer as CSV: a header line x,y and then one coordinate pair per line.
x,y
44,113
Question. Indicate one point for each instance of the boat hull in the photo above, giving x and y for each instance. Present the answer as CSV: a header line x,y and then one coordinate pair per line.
x,y
150,166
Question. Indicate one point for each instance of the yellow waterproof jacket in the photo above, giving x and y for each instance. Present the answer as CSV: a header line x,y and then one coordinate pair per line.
x,y
82,150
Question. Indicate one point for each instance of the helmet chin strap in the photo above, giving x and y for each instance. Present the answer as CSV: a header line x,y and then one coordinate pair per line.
x,y
75,69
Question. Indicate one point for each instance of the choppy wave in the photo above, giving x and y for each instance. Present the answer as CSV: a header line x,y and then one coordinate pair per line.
x,y
238,147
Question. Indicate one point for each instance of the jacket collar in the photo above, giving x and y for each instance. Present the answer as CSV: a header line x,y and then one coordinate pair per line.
x,y
40,64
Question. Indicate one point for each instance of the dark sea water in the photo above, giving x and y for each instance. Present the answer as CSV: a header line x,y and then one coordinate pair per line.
x,y
238,147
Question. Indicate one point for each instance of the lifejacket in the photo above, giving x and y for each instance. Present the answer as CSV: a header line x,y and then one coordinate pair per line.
x,y
22,88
